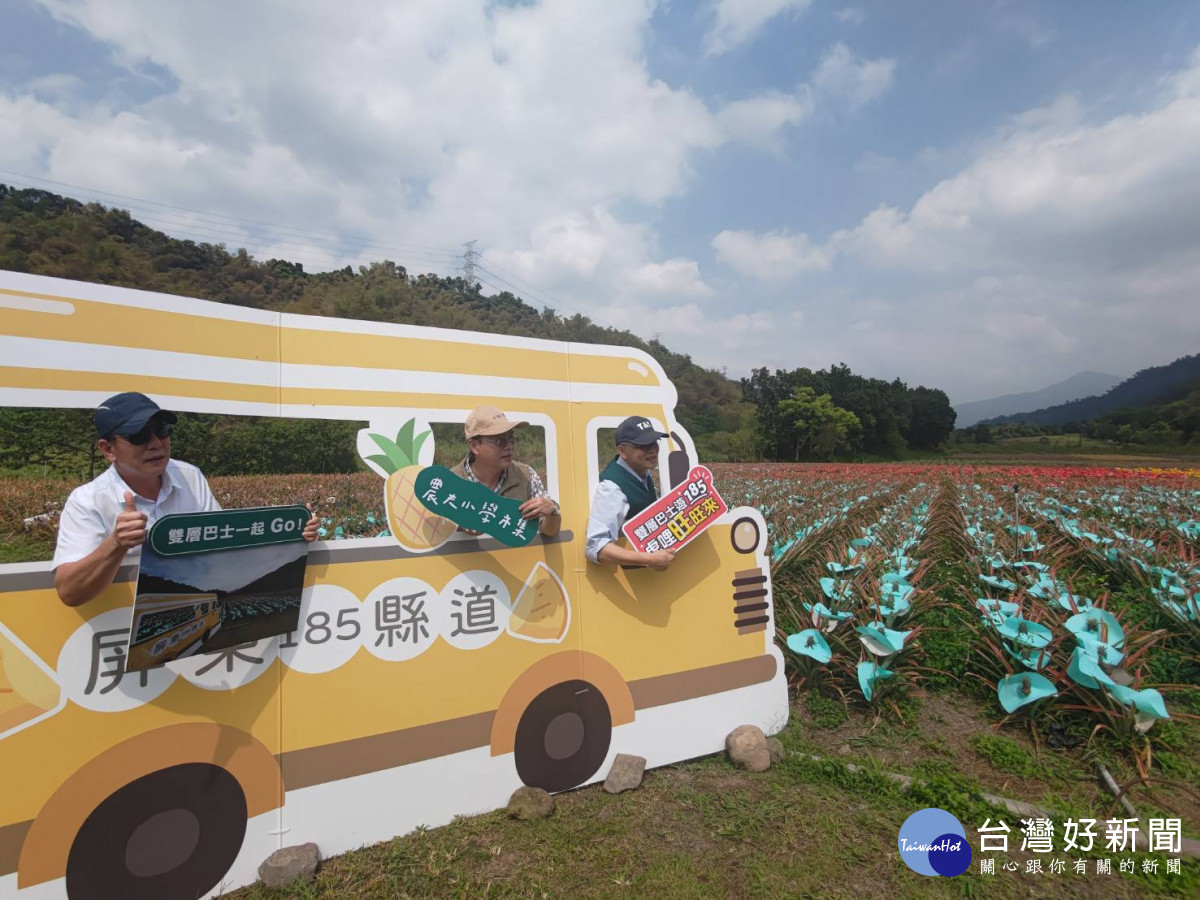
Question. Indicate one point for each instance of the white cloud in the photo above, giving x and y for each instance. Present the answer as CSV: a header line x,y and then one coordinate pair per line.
x,y
857,81
871,162
673,278
760,120
1022,25
590,256
739,21
850,15
1064,240
424,123
774,256
1052,192
724,341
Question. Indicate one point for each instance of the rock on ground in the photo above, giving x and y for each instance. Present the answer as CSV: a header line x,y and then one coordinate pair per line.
x,y
747,746
625,774
289,865
530,803
775,748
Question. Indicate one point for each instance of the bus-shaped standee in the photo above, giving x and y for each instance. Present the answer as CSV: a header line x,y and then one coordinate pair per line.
x,y
422,682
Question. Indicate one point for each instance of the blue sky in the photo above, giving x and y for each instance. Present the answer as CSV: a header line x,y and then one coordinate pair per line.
x,y
985,197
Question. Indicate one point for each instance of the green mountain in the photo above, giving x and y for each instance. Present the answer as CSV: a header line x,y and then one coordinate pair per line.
x,y
47,234
1081,384
1156,385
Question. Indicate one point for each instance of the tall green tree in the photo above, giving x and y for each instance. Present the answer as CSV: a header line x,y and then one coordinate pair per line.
x,y
820,429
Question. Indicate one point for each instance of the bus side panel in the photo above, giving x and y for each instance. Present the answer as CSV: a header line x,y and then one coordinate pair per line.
x,y
413,713
674,637
105,752
694,673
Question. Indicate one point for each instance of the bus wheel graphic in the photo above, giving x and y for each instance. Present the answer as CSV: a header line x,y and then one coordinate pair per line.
x,y
563,736
173,833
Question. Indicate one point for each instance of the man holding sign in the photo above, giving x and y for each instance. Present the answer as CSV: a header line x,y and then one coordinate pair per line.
x,y
492,440
626,488
105,522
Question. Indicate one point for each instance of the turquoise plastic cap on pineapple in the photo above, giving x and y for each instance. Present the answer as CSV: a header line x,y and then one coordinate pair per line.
x,y
1023,688
810,643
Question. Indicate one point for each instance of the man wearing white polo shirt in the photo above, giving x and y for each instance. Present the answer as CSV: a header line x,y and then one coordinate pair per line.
x,y
105,521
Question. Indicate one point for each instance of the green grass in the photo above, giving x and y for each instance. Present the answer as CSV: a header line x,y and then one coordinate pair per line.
x,y
826,712
1004,754
806,828
17,547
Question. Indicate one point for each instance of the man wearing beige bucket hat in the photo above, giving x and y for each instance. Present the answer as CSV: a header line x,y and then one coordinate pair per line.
x,y
492,441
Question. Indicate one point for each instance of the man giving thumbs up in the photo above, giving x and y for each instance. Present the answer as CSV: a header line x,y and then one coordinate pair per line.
x,y
105,521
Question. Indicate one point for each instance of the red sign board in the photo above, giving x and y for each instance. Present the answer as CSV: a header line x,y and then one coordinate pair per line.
x,y
678,517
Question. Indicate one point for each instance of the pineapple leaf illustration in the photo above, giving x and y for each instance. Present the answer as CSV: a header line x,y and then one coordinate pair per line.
x,y
382,461
404,440
418,442
397,458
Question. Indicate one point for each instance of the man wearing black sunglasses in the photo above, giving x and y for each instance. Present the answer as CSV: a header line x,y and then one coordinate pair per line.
x,y
105,521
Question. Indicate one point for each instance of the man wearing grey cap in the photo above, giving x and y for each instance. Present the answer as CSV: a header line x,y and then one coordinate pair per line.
x,y
105,521
626,488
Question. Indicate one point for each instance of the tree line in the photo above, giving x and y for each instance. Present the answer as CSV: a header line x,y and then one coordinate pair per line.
x,y
825,414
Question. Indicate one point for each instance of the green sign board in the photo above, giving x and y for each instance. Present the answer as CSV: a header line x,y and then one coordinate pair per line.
x,y
474,507
227,529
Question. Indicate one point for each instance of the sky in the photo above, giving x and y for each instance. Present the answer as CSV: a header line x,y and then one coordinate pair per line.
x,y
227,571
985,197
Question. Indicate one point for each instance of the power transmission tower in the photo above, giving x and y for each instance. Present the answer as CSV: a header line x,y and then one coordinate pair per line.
x,y
470,264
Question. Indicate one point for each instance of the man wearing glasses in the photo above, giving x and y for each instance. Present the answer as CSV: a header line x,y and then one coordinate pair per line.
x,y
626,488
105,521
492,440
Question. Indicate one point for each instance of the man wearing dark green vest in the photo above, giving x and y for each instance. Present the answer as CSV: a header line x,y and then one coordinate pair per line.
x,y
492,438
626,488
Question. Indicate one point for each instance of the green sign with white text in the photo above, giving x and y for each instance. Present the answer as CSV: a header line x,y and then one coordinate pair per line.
x,y
227,529
474,507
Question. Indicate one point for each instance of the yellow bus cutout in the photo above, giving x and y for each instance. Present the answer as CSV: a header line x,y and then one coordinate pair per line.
x,y
431,672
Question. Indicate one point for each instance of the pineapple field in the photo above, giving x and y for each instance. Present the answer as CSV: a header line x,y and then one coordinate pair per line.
x,y
1032,632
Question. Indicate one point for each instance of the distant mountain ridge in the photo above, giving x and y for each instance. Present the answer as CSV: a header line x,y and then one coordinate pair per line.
x,y
1082,384
1143,388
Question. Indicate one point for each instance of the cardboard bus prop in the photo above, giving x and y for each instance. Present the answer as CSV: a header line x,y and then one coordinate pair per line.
x,y
474,506
677,518
431,672
212,580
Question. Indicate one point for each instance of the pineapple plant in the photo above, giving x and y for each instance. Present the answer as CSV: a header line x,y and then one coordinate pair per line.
x,y
413,526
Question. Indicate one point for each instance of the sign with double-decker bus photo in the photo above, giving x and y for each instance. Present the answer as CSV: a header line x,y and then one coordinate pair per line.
x,y
212,580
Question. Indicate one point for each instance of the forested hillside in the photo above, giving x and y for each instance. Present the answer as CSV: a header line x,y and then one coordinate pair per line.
x,y
1146,387
47,234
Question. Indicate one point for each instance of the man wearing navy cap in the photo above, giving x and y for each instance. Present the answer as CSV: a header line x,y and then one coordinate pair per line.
x,y
105,521
626,488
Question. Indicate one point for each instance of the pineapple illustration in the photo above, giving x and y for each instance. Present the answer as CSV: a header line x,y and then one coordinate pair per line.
x,y
414,527
541,612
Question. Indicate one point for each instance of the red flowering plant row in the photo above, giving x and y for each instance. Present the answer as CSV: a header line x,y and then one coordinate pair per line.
x,y
348,505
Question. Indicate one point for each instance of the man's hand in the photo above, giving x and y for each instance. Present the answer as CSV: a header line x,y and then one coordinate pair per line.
x,y
659,560
537,508
129,530
85,579
310,527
